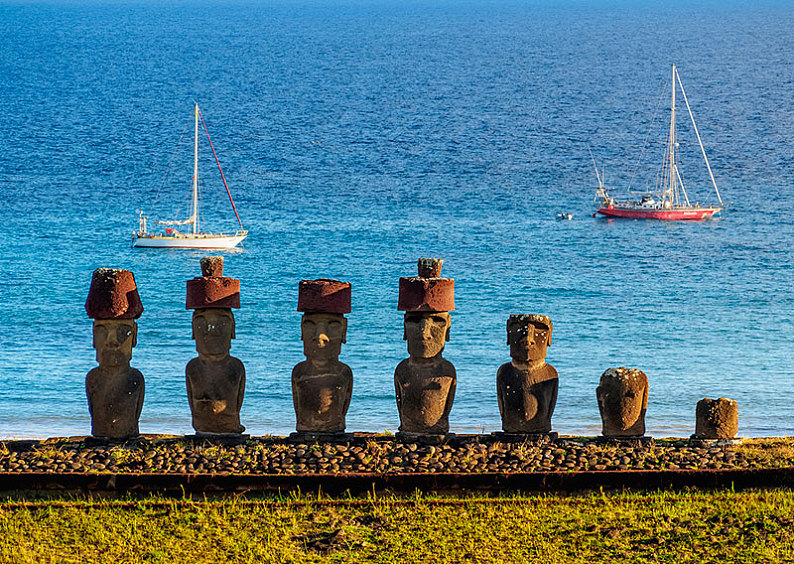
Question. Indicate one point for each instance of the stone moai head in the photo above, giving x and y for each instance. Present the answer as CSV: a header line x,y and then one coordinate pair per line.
x,y
114,304
323,325
529,335
623,399
426,300
716,419
211,296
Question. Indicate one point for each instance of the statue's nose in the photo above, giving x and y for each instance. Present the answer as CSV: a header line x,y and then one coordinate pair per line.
x,y
322,339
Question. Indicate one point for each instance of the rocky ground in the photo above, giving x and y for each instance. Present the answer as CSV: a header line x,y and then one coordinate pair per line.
x,y
384,454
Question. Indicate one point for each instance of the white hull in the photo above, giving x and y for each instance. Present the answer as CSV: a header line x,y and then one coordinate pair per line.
x,y
188,241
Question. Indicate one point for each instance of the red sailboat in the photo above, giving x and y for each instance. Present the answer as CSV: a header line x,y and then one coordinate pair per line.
x,y
671,201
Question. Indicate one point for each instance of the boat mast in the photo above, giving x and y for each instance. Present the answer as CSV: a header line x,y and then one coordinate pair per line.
x,y
697,133
671,190
195,175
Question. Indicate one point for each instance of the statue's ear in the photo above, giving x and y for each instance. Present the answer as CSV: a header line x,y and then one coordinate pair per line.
x,y
344,329
549,338
134,334
449,325
234,334
507,325
405,334
93,335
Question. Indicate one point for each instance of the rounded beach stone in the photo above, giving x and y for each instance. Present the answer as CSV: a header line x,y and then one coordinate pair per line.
x,y
113,295
212,290
427,292
324,295
716,419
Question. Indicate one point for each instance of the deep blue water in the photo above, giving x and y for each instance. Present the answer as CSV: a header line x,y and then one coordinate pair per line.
x,y
357,136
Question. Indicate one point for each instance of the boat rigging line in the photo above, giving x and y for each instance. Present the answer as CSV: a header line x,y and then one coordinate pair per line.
x,y
220,169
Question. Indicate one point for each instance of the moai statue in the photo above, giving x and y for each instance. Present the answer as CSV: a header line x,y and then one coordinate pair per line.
x,y
425,382
527,386
716,419
114,389
623,399
321,385
215,380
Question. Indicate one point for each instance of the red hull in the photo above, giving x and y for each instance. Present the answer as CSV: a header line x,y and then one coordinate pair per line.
x,y
664,215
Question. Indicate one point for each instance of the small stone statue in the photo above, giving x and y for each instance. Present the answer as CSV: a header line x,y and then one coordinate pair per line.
x,y
321,385
425,382
623,399
527,386
215,380
115,390
716,419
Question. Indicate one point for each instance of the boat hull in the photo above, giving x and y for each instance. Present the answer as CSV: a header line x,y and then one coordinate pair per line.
x,y
675,214
188,241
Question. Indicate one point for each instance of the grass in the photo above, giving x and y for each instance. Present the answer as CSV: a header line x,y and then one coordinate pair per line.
x,y
670,527
769,452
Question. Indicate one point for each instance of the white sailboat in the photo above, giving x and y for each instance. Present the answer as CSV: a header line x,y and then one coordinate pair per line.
x,y
195,238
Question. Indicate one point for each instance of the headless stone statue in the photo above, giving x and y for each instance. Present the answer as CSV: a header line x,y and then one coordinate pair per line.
x,y
425,382
622,400
321,385
114,389
716,419
215,380
527,386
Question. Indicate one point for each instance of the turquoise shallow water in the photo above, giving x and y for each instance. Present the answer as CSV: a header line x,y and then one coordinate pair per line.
x,y
359,136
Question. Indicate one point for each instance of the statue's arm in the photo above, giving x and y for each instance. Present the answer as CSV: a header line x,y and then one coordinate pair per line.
x,y
397,389
241,389
499,391
348,388
139,407
553,402
189,384
450,369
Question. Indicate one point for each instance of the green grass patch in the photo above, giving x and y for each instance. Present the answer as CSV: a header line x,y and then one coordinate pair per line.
x,y
658,527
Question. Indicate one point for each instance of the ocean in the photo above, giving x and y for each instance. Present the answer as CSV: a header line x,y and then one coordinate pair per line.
x,y
357,136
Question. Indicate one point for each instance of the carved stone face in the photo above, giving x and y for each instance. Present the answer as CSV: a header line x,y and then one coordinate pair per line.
x,y
528,340
213,330
426,333
322,335
114,340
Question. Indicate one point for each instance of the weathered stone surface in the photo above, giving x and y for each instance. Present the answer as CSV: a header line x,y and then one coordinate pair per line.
x,y
716,419
425,382
427,293
527,386
623,399
211,266
324,296
113,295
321,385
215,380
212,290
429,267
115,391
